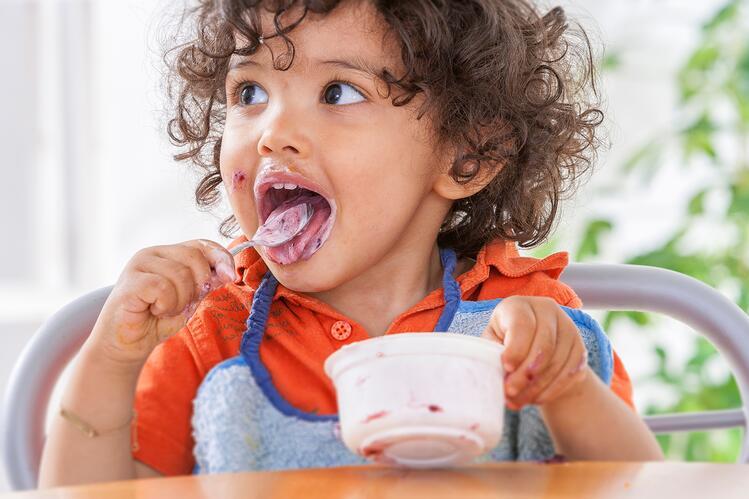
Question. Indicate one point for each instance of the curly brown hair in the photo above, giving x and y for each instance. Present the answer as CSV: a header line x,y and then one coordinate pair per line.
x,y
512,89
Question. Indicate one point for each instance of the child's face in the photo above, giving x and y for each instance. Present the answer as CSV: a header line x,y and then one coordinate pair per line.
x,y
326,125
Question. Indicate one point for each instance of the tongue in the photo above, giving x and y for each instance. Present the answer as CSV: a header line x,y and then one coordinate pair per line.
x,y
307,239
285,222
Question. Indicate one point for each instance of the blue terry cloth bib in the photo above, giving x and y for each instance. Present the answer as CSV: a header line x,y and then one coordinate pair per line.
x,y
242,423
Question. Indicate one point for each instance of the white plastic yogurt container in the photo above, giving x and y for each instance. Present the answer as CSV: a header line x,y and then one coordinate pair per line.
x,y
421,400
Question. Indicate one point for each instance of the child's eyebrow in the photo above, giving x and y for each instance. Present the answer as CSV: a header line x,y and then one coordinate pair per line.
x,y
240,63
355,63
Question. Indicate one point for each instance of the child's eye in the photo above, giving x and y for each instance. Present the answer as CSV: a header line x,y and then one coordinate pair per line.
x,y
342,93
252,94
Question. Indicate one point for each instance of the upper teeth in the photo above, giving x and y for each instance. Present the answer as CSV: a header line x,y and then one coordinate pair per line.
x,y
284,186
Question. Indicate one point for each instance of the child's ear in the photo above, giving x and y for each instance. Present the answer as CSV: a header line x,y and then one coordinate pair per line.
x,y
446,186
480,173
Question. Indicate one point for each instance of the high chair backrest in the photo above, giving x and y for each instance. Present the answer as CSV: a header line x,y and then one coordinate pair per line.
x,y
600,286
32,380
692,302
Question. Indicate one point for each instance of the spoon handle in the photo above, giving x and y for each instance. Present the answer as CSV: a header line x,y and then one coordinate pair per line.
x,y
238,249
277,231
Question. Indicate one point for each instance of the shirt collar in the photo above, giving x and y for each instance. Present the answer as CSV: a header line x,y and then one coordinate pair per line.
x,y
498,254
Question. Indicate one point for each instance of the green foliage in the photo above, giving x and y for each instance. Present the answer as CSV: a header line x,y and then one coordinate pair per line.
x,y
697,393
738,87
698,138
589,246
697,72
713,85
611,61
648,155
720,446
724,16
697,204
639,318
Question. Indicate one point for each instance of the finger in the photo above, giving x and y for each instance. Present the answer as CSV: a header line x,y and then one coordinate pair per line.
x,y
573,372
205,264
541,353
211,263
219,257
152,292
570,342
204,279
513,323
565,346
180,276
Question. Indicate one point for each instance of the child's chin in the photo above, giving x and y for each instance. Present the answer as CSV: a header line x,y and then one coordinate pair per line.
x,y
301,281
309,275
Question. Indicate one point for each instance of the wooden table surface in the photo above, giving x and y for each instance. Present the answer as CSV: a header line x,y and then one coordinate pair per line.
x,y
636,480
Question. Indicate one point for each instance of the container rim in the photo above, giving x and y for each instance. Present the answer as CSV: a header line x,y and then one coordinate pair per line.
x,y
413,344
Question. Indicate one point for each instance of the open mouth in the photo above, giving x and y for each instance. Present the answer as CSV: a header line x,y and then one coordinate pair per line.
x,y
281,196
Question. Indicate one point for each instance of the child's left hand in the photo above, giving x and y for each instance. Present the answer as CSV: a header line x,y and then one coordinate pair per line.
x,y
544,354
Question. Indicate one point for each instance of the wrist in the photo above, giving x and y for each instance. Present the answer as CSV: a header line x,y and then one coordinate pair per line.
x,y
571,397
97,359
100,393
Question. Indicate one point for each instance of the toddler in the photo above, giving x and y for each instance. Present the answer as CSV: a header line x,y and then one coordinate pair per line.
x,y
424,140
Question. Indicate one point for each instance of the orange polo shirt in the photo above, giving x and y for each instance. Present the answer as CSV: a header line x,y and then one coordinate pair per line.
x,y
301,333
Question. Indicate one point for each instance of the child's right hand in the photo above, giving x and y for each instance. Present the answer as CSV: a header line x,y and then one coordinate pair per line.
x,y
154,297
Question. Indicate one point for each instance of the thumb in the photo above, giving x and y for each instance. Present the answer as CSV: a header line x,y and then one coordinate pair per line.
x,y
512,324
219,258
494,329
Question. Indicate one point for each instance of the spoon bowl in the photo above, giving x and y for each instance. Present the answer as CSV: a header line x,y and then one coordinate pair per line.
x,y
279,228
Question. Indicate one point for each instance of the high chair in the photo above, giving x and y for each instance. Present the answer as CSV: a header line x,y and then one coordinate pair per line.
x,y
600,286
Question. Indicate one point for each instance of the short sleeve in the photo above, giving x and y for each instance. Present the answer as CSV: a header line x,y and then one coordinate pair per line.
x,y
163,402
621,385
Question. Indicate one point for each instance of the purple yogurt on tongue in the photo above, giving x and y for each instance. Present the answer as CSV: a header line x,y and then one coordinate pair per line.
x,y
284,223
304,244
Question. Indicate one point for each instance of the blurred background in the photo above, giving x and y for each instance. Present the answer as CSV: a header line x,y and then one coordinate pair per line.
x,y
90,180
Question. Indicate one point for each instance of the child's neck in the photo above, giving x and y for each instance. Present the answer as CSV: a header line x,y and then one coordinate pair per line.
x,y
398,282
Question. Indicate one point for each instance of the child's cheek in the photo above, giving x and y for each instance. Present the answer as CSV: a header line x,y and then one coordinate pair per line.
x,y
239,180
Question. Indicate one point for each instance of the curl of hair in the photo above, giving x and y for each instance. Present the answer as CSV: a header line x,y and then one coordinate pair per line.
x,y
512,89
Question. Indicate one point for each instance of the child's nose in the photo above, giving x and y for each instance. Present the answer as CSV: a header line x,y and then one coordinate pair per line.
x,y
285,135
266,150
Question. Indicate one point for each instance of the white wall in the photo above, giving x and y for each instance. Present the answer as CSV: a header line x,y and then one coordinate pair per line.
x,y
84,157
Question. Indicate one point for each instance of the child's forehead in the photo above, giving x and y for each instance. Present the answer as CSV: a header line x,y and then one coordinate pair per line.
x,y
353,31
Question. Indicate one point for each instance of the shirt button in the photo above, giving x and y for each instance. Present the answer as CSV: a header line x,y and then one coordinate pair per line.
x,y
341,330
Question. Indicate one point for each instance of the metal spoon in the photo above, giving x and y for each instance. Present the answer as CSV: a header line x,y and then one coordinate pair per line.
x,y
271,233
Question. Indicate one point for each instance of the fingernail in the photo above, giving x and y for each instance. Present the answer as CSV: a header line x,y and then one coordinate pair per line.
x,y
225,271
580,367
536,361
